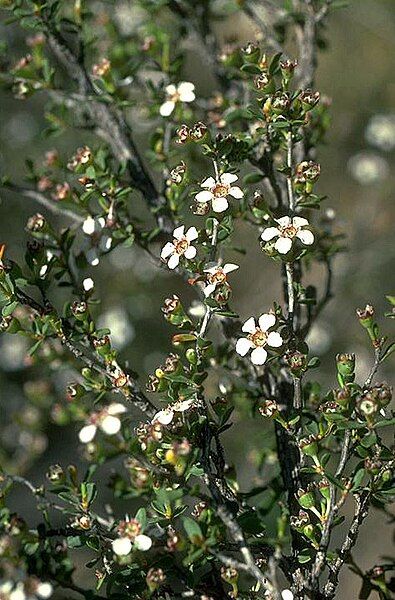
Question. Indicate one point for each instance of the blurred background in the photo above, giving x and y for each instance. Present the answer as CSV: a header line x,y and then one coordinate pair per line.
x,y
357,74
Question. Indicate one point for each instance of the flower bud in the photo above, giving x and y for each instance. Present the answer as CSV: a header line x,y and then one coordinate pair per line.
x,y
297,361
300,521
200,208
305,498
191,356
177,173
36,223
251,53
269,408
287,70
342,397
324,488
183,134
383,394
62,191
79,310
309,445
74,391
155,578
198,131
367,405
307,173
262,82
280,103
365,316
102,68
102,345
372,465
55,473
309,99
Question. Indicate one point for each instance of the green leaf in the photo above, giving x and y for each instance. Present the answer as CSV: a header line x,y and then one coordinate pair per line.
x,y
251,69
387,352
192,529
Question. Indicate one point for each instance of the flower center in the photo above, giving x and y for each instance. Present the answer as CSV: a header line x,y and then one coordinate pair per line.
x,y
289,231
217,277
181,245
258,338
220,190
175,97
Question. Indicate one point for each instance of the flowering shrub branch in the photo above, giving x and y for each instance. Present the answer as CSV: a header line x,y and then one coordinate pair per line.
x,y
246,155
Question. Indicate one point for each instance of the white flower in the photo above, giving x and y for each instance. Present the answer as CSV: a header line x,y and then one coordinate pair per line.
x,y
183,92
88,284
216,192
165,416
99,242
368,168
93,225
44,269
44,590
107,420
288,230
258,337
122,546
18,593
287,595
181,246
380,131
142,542
217,276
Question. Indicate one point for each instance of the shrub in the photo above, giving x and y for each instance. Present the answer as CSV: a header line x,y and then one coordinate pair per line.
x,y
247,155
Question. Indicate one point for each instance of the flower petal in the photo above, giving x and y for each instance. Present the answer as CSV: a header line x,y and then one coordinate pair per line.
x,y
212,270
88,226
274,339
167,108
192,234
283,245
142,542
219,204
171,89
258,356
105,243
110,425
204,196
178,233
183,405
236,192
229,267
190,252
167,250
249,326
185,86
209,289
87,433
243,345
121,546
173,261
44,590
92,257
187,96
116,408
228,178
284,221
266,321
164,417
305,236
208,183
269,233
299,222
